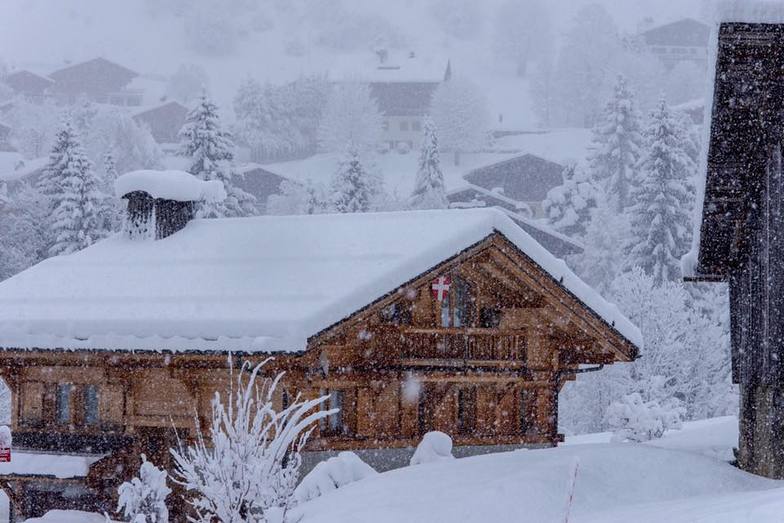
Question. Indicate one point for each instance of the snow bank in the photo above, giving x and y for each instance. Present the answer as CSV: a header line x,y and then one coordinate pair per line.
x,y
435,446
332,474
61,466
170,185
532,486
251,284
70,516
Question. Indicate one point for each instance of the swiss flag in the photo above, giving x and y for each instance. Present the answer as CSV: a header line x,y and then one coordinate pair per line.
x,y
440,287
5,455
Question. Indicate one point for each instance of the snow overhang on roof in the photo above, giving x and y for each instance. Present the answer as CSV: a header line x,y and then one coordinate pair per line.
x,y
261,284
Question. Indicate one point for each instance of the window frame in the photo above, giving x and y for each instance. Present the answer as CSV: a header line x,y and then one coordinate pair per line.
x,y
461,299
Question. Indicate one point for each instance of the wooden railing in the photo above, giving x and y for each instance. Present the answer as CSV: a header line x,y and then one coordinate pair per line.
x,y
464,344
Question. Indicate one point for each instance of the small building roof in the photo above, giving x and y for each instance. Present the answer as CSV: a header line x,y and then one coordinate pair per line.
x,y
24,81
524,178
683,33
260,284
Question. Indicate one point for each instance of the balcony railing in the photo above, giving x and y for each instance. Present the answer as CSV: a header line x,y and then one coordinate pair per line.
x,y
463,344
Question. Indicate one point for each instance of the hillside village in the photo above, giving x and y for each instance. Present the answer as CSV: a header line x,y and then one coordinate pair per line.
x,y
298,292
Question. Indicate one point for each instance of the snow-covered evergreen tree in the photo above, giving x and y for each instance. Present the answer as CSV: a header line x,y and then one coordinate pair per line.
x,y
661,217
617,143
211,154
352,186
351,116
634,419
605,238
429,191
143,499
568,206
460,111
76,202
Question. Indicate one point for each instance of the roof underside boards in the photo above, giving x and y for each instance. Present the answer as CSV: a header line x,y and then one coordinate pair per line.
x,y
249,284
684,33
747,96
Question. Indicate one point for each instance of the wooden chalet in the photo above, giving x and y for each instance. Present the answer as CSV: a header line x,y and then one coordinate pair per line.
x,y
411,321
741,233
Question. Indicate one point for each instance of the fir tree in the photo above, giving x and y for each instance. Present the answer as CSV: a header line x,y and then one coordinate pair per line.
x,y
210,151
429,191
76,202
660,218
352,186
568,206
617,146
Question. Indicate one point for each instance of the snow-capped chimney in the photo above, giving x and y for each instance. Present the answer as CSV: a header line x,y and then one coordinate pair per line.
x,y
161,203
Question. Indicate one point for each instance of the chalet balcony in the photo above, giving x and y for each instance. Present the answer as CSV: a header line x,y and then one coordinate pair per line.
x,y
463,344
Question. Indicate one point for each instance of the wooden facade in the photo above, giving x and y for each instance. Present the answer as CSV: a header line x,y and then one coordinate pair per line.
x,y
484,365
742,230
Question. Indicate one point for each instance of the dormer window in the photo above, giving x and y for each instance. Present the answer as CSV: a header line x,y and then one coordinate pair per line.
x,y
457,308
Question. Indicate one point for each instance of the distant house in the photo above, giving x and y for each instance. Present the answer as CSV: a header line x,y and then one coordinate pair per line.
x,y
164,121
403,88
519,184
684,40
260,182
33,87
99,80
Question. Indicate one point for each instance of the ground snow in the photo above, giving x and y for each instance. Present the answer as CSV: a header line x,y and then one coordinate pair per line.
x,y
334,473
673,479
435,446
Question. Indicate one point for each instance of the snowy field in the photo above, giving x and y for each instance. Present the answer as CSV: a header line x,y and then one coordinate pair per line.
x,y
680,478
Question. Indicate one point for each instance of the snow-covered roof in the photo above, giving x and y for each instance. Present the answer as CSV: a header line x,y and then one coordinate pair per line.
x,y
249,284
61,466
406,67
170,185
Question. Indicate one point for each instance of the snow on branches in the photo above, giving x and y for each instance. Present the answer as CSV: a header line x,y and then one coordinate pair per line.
x,y
429,191
143,499
568,206
211,153
661,215
634,419
249,469
617,142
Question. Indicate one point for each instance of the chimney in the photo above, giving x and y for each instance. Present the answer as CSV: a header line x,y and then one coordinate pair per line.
x,y
160,203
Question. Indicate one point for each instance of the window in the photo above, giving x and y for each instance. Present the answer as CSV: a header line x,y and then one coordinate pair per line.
x,y
404,125
457,307
527,411
334,423
416,125
396,314
466,410
63,405
489,318
90,393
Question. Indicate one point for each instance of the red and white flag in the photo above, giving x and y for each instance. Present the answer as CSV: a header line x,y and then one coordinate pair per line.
x,y
440,287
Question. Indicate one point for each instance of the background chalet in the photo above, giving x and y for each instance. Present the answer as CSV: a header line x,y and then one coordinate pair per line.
x,y
411,321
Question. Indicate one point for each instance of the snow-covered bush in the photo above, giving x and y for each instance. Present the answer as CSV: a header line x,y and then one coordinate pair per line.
x,y
248,471
435,446
634,419
143,499
568,206
332,474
